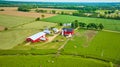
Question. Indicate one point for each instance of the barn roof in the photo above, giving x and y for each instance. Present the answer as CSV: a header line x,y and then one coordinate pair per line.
x,y
68,29
37,35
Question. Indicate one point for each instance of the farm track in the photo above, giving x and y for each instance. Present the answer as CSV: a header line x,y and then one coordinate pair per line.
x,y
61,47
111,31
23,24
51,38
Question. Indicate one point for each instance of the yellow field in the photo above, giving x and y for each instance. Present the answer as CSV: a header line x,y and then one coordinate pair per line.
x,y
13,11
57,10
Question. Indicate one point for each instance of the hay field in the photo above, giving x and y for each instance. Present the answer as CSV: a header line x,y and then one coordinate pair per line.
x,y
13,11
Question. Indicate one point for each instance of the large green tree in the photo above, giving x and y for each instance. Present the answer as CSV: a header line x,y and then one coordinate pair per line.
x,y
25,8
100,26
82,25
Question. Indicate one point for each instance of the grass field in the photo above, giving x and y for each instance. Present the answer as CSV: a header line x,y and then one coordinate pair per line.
x,y
109,24
49,61
105,45
16,36
12,21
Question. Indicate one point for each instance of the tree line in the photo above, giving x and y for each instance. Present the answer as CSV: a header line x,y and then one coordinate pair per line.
x,y
91,26
84,11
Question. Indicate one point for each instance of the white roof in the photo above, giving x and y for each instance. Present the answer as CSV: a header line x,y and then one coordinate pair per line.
x,y
67,24
37,35
55,29
46,31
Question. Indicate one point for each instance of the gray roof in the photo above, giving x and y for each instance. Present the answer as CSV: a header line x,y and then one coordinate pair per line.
x,y
37,35
68,29
47,31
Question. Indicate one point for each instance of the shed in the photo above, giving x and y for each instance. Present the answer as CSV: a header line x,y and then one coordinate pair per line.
x,y
40,36
55,30
67,24
46,31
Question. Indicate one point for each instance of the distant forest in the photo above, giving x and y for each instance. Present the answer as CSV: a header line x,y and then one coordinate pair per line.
x,y
97,9
63,5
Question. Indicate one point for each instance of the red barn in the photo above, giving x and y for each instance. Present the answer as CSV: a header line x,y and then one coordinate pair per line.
x,y
67,31
37,37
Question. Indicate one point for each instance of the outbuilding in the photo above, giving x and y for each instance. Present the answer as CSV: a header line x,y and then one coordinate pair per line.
x,y
47,31
55,30
67,24
41,36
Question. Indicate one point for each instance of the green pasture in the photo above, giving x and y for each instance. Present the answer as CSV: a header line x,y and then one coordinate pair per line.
x,y
37,25
104,46
109,24
49,61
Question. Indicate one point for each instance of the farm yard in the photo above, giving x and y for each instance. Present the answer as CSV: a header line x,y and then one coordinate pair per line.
x,y
87,48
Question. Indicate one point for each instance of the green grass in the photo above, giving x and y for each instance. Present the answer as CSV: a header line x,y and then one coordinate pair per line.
x,y
37,25
55,44
109,24
11,38
105,46
16,36
12,21
49,61
32,51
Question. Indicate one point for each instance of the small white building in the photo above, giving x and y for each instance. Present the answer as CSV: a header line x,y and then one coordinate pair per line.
x,y
47,31
55,30
67,24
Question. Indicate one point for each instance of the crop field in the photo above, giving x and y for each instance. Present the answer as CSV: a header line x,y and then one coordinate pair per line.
x,y
13,12
56,10
109,24
49,61
101,46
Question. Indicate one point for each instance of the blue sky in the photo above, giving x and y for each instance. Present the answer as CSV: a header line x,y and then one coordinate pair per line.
x,y
68,0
